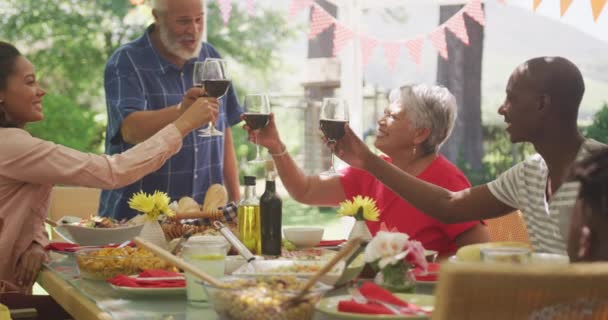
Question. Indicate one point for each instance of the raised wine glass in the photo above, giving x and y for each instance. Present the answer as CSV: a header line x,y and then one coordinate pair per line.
x,y
256,116
211,75
334,115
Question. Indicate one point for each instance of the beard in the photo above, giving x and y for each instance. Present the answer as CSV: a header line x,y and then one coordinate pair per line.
x,y
172,43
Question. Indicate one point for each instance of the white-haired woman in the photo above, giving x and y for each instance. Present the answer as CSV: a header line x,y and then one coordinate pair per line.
x,y
418,120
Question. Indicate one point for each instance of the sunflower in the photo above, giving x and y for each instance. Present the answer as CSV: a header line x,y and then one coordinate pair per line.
x,y
361,208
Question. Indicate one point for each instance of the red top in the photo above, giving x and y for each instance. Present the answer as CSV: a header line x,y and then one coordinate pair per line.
x,y
398,213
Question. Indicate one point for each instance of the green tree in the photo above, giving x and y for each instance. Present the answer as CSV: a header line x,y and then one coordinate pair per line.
x,y
598,130
69,42
68,124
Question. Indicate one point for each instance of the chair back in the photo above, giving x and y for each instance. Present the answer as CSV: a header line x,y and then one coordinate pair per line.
x,y
73,201
510,227
547,292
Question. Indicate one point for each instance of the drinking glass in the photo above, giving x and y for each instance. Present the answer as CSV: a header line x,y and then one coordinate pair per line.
x,y
208,255
211,75
256,116
334,115
517,255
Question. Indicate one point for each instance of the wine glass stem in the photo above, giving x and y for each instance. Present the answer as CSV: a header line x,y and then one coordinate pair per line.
x,y
257,148
331,156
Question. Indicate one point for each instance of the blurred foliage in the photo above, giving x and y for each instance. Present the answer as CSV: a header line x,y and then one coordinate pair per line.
x,y
499,155
70,41
598,129
68,124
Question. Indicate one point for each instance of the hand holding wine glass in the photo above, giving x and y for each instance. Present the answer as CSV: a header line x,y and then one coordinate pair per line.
x,y
256,117
211,75
267,137
334,115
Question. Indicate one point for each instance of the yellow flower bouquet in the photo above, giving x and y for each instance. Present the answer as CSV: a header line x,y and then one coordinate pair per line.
x,y
151,205
361,208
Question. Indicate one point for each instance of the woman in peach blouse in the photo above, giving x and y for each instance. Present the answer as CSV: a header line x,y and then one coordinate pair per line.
x,y
29,167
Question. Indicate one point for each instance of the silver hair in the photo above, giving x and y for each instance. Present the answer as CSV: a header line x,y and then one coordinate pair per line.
x,y
161,5
432,107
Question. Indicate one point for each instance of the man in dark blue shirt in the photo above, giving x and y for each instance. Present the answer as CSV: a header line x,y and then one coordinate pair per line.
x,y
148,84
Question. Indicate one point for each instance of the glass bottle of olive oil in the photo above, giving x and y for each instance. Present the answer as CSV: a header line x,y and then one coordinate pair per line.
x,y
249,218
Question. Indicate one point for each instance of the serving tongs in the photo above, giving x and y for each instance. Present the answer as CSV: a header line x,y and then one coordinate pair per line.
x,y
234,241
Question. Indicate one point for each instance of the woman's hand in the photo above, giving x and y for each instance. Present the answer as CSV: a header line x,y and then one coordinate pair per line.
x,y
202,111
29,265
267,137
350,149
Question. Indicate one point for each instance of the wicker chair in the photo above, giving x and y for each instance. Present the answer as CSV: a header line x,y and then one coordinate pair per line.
x,y
547,292
510,227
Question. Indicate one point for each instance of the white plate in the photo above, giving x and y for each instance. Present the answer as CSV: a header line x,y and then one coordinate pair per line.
x,y
329,306
537,258
150,291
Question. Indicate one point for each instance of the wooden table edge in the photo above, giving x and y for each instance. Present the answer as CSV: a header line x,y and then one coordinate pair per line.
x,y
74,302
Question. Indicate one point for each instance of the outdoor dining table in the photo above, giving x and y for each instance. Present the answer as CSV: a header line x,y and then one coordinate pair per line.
x,y
90,299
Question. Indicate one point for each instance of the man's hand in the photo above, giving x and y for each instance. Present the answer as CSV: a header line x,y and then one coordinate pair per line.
x,y
29,264
350,149
267,137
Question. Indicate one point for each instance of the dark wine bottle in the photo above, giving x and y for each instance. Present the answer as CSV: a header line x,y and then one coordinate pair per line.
x,y
271,212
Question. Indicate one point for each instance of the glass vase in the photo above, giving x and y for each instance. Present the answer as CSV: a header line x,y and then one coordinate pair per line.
x,y
397,278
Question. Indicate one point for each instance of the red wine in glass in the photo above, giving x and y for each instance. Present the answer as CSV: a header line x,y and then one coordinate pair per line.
x,y
256,120
332,129
211,74
216,88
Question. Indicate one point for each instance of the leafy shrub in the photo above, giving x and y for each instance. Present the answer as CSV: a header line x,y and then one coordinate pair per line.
x,y
68,124
598,129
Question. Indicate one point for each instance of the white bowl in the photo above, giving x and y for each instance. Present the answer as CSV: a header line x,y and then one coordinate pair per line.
x,y
304,237
86,236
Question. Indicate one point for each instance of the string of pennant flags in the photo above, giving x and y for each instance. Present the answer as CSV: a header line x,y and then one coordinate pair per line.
x,y
321,20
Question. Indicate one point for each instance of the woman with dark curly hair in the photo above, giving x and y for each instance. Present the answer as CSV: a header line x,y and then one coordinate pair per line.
x,y
588,239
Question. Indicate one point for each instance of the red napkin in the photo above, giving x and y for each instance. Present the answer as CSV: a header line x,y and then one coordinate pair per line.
x,y
73,247
432,273
60,246
372,291
122,280
330,243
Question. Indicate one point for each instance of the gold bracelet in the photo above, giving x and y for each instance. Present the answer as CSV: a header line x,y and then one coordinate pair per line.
x,y
282,153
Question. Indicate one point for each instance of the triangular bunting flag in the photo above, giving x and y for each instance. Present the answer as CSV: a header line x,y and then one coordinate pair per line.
x,y
596,7
536,4
563,6
298,5
438,40
251,7
320,21
225,9
391,50
414,47
367,46
457,26
503,1
475,11
341,36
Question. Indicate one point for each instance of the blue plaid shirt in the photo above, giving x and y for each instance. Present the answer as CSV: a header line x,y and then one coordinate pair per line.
x,y
138,78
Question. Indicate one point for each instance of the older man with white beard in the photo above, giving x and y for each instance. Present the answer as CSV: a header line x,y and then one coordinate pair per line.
x,y
148,84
